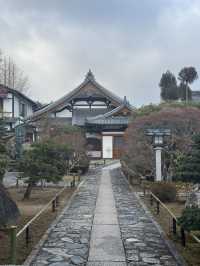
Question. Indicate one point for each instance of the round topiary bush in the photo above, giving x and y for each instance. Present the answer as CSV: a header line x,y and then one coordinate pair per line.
x,y
165,191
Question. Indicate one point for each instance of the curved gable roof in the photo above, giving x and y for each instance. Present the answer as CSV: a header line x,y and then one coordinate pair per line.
x,y
62,102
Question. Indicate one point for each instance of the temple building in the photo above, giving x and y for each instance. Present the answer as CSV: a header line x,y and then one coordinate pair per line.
x,y
103,115
14,107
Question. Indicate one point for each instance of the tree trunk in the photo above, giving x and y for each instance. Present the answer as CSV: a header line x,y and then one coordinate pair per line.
x,y
27,193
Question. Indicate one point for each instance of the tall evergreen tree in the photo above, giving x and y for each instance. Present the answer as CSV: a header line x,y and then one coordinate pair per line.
x,y
188,165
168,86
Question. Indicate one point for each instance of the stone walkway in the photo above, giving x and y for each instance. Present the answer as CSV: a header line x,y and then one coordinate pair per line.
x,y
106,246
142,240
105,225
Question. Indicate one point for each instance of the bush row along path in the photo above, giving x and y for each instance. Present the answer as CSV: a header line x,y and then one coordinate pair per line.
x,y
111,229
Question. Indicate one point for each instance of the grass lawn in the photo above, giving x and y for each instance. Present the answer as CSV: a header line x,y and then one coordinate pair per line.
x,y
39,198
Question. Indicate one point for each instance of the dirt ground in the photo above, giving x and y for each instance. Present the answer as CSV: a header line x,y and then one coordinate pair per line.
x,y
191,251
39,198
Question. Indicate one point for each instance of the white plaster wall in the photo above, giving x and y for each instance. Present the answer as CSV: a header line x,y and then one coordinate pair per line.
x,y
29,110
16,107
7,105
107,147
64,113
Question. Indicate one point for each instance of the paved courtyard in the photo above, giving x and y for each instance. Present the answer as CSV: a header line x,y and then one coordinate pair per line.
x,y
105,225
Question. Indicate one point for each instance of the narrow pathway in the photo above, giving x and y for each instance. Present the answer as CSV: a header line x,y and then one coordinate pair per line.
x,y
104,225
106,246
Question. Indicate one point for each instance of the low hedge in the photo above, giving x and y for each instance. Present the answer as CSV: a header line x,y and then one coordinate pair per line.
x,y
165,191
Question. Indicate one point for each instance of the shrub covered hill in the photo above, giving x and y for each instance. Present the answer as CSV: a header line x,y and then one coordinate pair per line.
x,y
183,121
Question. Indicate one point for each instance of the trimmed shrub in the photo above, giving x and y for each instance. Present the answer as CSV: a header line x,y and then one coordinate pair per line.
x,y
166,192
190,219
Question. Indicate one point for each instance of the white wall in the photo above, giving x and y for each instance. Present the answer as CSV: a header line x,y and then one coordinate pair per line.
x,y
107,142
29,110
7,105
16,107
64,113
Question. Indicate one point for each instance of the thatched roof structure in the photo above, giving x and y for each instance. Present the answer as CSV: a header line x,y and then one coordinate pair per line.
x,y
9,212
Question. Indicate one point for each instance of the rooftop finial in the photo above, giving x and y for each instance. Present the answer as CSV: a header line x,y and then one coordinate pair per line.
x,y
125,100
90,75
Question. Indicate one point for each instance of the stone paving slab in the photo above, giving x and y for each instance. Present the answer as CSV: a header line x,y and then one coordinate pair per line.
x,y
142,240
106,263
106,218
105,230
106,246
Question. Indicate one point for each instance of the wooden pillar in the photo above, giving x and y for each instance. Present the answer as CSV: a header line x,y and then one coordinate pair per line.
x,y
13,242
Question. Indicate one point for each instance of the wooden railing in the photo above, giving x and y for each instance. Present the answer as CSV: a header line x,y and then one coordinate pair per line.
x,y
159,204
12,231
54,203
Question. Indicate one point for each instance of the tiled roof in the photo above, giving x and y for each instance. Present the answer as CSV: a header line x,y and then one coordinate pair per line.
x,y
66,98
111,113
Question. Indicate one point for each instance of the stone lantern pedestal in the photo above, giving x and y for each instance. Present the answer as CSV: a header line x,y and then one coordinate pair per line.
x,y
158,154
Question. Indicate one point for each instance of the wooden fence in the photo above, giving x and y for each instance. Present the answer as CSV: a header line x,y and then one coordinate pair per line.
x,y
174,219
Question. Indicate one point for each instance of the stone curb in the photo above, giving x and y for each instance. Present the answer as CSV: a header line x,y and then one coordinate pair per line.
x,y
171,246
37,248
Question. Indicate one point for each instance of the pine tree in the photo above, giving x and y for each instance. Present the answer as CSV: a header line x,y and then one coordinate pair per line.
x,y
44,161
188,166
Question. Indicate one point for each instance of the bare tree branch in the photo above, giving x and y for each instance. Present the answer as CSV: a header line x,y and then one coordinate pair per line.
x,y
11,74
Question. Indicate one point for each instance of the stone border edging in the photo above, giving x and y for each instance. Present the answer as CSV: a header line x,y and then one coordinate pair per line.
x,y
171,246
36,249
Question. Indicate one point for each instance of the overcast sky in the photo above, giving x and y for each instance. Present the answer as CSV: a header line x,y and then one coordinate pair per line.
x,y
127,44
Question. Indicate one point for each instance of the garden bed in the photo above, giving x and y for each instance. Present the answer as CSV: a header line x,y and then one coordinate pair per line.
x,y
39,198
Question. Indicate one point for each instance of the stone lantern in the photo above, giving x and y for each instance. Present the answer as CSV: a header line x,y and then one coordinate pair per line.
x,y
158,143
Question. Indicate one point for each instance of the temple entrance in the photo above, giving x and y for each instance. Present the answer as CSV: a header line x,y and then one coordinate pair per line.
x,y
108,147
112,145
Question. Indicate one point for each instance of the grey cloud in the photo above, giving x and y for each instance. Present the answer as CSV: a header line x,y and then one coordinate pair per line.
x,y
128,44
